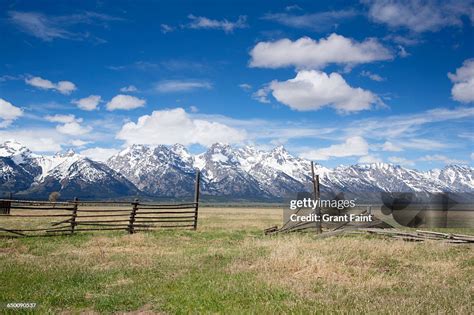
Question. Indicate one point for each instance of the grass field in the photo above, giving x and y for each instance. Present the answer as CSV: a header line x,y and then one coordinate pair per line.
x,y
229,266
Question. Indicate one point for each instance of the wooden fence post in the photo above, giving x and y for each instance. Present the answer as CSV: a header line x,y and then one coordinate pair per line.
x,y
5,206
74,215
196,198
316,197
131,229
8,208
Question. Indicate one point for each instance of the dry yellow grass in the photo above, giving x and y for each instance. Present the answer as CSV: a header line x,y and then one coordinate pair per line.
x,y
229,266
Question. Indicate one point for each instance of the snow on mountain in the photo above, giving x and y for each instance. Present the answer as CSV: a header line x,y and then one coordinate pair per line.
x,y
57,165
16,151
299,169
78,176
248,156
249,172
232,172
223,174
457,177
181,151
21,156
13,177
380,177
69,173
160,170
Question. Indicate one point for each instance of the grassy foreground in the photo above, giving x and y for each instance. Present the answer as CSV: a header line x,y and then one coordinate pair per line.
x,y
229,266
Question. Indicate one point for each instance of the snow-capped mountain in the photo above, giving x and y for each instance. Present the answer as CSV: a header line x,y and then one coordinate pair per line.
x,y
247,172
13,177
223,173
69,173
16,151
227,172
458,178
381,177
160,171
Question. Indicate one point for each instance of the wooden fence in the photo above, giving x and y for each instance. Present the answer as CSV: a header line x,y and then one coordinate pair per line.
x,y
32,217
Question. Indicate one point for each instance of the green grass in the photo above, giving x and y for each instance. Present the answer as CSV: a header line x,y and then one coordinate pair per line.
x,y
228,266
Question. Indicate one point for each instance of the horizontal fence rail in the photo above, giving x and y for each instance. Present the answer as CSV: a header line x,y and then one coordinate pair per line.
x,y
20,216
34,218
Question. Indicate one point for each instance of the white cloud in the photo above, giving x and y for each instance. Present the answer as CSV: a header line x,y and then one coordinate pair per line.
x,y
320,21
99,154
308,53
463,79
372,76
125,102
407,39
245,86
48,28
7,77
64,119
70,125
40,83
423,144
79,143
165,28
312,90
193,109
402,52
8,113
38,25
40,140
441,158
261,95
353,146
88,103
467,135
63,87
407,125
369,159
176,126
73,128
200,22
389,146
419,16
169,86
130,88
401,161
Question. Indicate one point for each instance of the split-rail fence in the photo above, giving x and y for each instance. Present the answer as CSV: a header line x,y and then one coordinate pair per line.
x,y
33,217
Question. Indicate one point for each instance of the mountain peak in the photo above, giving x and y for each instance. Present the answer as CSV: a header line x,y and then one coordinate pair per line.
x,y
68,153
178,146
12,147
219,146
280,150
15,150
182,152
237,171
133,149
377,165
13,144
457,167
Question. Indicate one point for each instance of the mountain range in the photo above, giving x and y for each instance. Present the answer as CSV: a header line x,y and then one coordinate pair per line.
x,y
228,173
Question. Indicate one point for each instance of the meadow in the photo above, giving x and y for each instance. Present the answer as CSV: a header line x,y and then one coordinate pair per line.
x,y
229,266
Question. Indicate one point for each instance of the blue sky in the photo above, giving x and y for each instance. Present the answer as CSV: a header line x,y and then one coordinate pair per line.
x,y
337,82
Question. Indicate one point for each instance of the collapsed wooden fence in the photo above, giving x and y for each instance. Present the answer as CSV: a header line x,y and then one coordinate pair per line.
x,y
32,217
